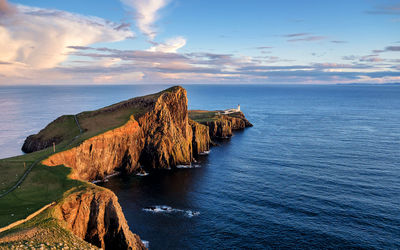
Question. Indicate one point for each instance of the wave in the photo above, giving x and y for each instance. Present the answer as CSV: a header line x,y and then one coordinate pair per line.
x,y
205,152
142,174
170,210
188,166
106,178
146,243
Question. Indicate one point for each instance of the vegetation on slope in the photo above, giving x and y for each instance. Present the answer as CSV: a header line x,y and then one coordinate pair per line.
x,y
46,184
43,232
204,115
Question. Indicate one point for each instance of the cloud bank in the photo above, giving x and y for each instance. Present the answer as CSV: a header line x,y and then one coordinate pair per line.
x,y
146,14
35,38
169,46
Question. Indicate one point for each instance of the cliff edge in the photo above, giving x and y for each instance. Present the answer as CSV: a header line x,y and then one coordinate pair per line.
x,y
95,216
145,133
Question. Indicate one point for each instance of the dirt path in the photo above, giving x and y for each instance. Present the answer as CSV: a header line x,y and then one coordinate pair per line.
x,y
77,123
20,180
34,164
26,219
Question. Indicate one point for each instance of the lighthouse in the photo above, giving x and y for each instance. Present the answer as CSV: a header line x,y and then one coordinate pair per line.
x,y
238,108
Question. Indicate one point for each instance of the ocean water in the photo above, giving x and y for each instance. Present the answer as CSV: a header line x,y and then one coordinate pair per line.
x,y
319,169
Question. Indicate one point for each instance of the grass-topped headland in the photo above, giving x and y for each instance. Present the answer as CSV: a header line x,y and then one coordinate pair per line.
x,y
92,123
146,133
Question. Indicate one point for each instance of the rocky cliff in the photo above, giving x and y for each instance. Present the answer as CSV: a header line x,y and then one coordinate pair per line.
x,y
220,125
95,216
159,138
99,156
201,138
151,132
52,133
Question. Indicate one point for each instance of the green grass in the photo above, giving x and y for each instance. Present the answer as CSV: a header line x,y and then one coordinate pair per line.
x,y
48,234
63,128
41,187
43,184
203,116
10,173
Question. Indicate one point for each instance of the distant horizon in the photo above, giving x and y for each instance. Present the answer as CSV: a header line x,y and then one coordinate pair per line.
x,y
183,84
123,42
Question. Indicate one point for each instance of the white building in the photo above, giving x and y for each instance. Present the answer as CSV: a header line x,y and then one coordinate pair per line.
x,y
230,111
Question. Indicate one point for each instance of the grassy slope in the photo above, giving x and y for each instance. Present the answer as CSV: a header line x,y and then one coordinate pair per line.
x,y
95,122
46,184
44,231
203,115
63,127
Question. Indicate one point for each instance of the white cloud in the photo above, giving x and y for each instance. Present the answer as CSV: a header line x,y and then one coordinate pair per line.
x,y
169,46
146,14
35,38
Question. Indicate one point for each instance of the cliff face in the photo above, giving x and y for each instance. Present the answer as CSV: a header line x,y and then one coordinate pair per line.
x,y
201,138
96,216
167,133
225,124
54,134
159,135
100,155
160,138
32,143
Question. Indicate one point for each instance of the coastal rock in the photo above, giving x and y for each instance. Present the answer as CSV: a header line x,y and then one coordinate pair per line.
x,y
201,138
95,216
99,156
225,124
167,133
41,141
161,138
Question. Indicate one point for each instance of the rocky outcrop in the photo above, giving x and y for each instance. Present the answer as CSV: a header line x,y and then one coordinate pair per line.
x,y
95,216
225,124
99,156
162,137
159,139
201,138
41,140
167,133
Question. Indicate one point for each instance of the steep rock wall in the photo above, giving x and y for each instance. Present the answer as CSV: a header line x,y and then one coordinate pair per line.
x,y
223,127
167,133
201,138
101,155
160,138
95,216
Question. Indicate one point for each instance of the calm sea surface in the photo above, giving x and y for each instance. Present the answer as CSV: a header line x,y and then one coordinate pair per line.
x,y
319,169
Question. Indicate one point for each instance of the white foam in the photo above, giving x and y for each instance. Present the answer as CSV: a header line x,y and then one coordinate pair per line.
x,y
189,166
142,174
146,243
205,152
169,210
106,178
184,166
190,213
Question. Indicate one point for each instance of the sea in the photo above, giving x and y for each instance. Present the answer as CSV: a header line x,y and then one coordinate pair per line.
x,y
319,169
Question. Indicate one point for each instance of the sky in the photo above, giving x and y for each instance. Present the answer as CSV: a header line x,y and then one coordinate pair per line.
x,y
199,41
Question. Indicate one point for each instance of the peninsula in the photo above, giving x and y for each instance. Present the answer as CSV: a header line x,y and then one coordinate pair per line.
x,y
55,178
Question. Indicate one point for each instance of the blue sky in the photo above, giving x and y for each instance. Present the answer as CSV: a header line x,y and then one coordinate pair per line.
x,y
224,41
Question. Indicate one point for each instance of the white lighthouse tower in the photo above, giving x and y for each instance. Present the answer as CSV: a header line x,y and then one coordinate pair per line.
x,y
238,108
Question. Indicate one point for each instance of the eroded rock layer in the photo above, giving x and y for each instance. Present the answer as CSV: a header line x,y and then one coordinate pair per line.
x,y
159,139
225,124
95,215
